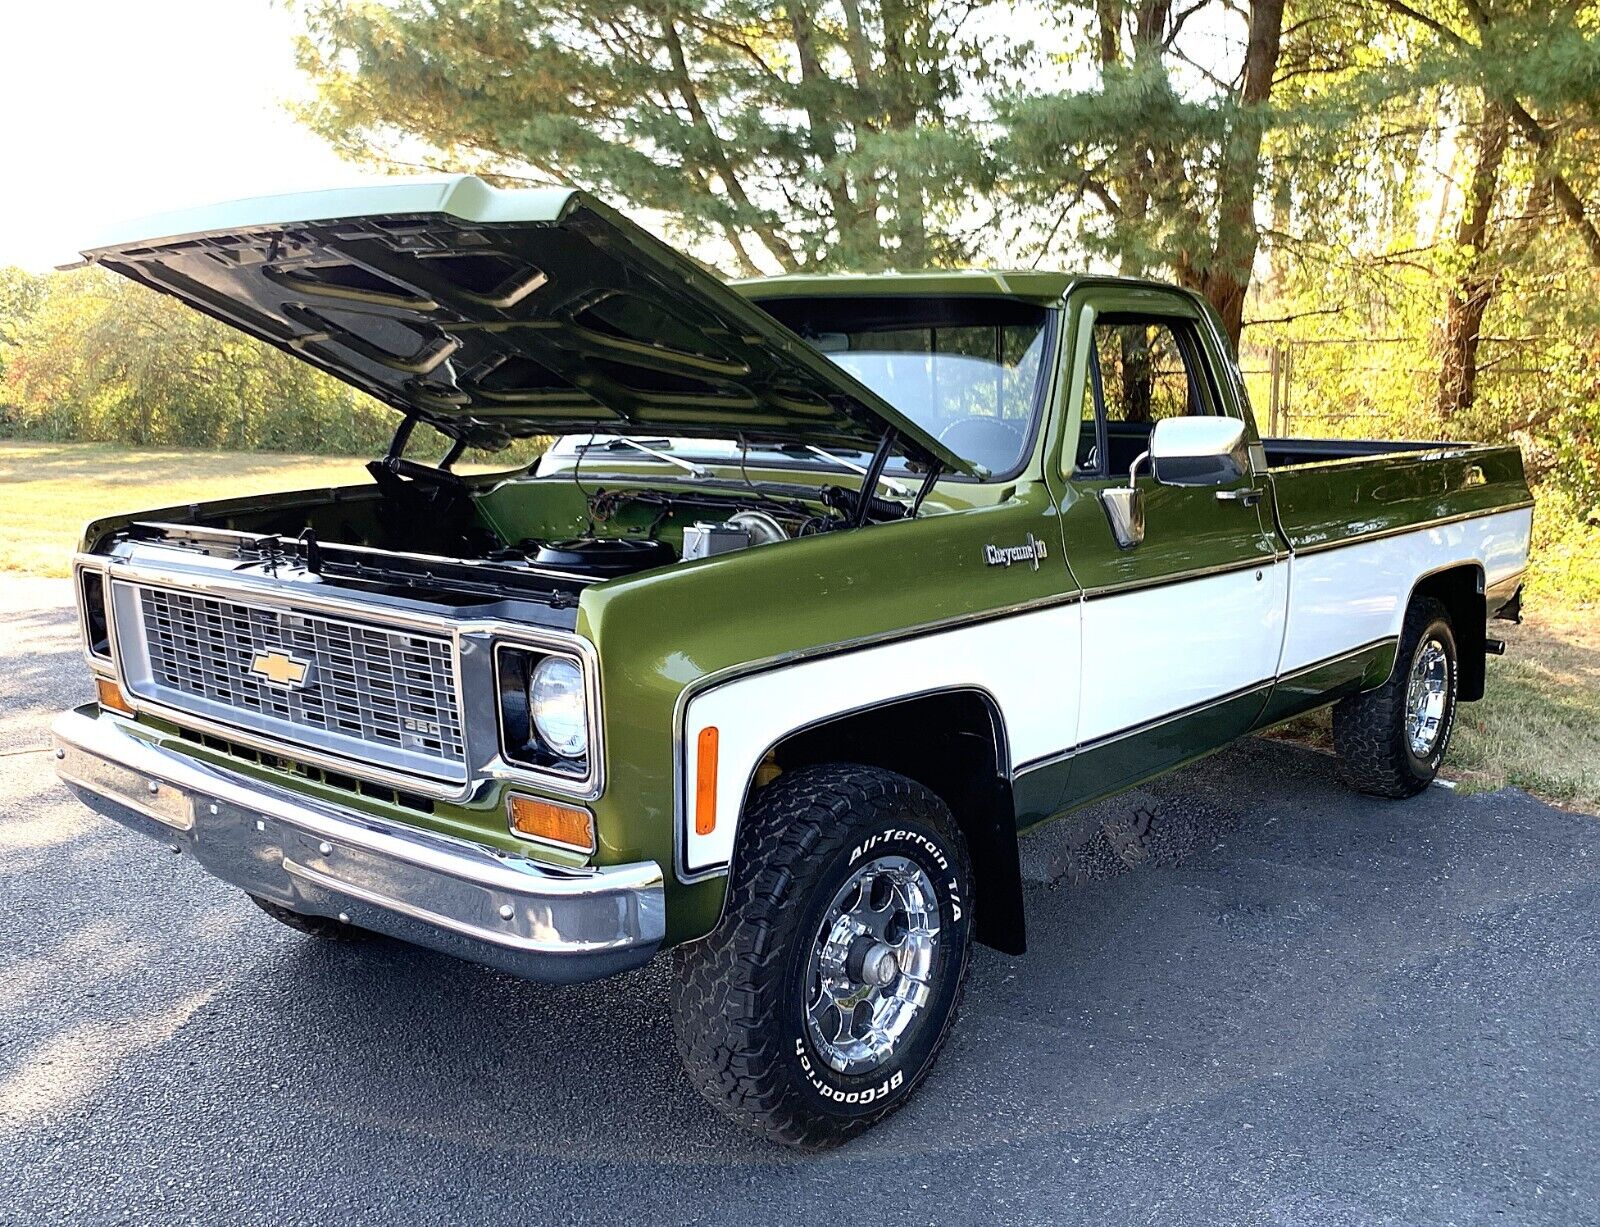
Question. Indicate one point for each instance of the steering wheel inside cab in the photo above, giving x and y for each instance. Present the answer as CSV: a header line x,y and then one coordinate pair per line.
x,y
994,443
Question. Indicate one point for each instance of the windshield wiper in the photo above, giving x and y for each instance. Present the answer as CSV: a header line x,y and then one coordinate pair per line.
x,y
694,470
890,484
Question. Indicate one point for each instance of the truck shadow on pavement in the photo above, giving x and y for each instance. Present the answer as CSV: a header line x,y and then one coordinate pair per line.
x,y
1247,990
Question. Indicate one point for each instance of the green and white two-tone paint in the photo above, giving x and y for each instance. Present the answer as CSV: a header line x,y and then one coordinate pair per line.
x,y
829,588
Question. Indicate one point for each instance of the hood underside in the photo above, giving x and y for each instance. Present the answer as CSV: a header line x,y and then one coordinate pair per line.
x,y
495,315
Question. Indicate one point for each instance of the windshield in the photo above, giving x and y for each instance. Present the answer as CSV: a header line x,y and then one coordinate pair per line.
x,y
974,389
967,371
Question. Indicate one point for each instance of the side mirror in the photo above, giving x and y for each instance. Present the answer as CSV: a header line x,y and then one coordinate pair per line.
x,y
1125,509
1199,451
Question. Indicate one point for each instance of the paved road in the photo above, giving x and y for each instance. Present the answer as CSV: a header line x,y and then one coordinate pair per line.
x,y
1252,997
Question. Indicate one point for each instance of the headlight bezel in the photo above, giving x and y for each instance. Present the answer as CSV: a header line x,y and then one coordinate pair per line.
x,y
522,745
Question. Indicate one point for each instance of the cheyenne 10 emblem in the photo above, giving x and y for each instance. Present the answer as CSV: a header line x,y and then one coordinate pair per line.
x,y
1004,555
280,669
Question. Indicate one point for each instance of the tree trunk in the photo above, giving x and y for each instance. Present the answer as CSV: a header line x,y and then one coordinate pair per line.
x,y
820,124
860,52
774,242
903,95
1226,280
1474,288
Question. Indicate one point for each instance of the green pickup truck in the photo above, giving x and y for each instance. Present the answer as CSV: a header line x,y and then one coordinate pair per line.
x,y
829,588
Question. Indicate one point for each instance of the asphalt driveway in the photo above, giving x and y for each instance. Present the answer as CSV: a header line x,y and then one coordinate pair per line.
x,y
1251,997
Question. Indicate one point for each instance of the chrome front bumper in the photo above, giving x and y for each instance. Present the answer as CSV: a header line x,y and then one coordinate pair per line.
x,y
466,899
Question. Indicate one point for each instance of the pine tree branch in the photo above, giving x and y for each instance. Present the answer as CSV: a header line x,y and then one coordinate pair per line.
x,y
775,242
1571,205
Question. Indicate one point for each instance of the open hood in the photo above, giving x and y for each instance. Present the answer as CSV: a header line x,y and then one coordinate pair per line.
x,y
496,314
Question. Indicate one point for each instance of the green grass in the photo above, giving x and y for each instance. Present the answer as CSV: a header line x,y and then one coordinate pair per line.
x,y
49,491
1538,727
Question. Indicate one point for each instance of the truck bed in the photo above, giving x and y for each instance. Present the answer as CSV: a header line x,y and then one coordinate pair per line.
x,y
1285,453
1330,493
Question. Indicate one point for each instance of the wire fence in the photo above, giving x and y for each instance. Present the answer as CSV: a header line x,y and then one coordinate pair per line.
x,y
1377,386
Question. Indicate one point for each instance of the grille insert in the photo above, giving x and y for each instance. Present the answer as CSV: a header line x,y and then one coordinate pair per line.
x,y
376,693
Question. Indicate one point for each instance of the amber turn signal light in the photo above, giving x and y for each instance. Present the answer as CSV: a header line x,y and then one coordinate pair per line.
x,y
705,782
564,825
110,696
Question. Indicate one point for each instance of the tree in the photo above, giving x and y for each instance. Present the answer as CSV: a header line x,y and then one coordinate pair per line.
x,y
99,357
1167,152
21,293
1529,72
807,135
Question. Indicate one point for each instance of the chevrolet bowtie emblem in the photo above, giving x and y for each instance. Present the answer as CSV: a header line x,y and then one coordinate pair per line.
x,y
280,669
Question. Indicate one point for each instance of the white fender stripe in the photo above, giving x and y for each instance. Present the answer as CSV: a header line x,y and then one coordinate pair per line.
x,y
1130,658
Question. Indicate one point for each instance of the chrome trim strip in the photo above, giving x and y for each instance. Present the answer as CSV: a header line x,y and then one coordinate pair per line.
x,y
1382,641
1195,708
732,673
528,917
591,698
102,666
1155,722
1402,530
1179,577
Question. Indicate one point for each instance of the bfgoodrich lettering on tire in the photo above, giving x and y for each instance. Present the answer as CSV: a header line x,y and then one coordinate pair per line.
x,y
1391,740
823,996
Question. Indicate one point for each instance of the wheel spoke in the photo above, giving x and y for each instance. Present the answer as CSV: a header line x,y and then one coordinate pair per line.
x,y
888,896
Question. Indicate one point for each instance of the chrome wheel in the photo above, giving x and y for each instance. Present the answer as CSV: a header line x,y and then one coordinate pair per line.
x,y
1427,697
872,963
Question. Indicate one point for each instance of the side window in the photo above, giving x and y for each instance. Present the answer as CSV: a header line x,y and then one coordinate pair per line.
x,y
1143,373
1141,369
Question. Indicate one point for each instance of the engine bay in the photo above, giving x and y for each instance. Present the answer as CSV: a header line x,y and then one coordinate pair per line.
x,y
455,541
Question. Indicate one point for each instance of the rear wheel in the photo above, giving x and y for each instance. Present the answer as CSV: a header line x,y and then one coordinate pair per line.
x,y
1391,740
315,926
821,999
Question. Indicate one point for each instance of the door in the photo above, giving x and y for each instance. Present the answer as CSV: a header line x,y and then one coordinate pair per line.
x,y
1181,632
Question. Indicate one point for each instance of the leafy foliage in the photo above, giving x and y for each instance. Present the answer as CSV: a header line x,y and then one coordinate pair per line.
x,y
97,357
804,135
1399,196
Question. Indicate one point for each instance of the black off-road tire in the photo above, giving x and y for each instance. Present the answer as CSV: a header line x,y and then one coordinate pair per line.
x,y
1369,729
739,993
315,926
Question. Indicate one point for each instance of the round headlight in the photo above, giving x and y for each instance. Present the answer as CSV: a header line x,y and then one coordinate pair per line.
x,y
560,711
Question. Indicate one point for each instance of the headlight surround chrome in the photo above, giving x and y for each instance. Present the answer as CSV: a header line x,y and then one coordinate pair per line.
x,y
546,715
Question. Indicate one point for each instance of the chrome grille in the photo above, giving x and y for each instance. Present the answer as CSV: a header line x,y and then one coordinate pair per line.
x,y
377,693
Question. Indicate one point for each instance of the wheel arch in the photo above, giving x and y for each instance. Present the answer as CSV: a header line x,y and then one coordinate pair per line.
x,y
953,741
1459,587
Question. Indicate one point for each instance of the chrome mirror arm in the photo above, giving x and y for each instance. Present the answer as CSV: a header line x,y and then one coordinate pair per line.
x,y
1133,469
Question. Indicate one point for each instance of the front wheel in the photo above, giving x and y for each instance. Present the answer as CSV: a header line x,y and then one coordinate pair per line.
x,y
825,992
314,926
1391,740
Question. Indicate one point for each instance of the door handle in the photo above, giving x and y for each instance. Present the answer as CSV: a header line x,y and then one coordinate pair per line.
x,y
1249,497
